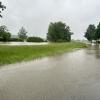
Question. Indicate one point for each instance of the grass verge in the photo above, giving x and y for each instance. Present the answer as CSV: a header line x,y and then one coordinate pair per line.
x,y
13,54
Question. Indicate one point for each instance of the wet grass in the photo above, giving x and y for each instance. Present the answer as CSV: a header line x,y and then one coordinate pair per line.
x,y
13,54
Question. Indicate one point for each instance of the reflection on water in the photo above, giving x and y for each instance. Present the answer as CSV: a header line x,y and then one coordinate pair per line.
x,y
94,50
71,76
22,43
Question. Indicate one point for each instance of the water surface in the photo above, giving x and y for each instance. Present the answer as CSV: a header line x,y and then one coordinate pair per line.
x,y
71,76
22,43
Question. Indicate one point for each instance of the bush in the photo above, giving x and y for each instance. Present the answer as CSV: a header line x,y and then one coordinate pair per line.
x,y
60,40
1,39
34,39
15,40
98,42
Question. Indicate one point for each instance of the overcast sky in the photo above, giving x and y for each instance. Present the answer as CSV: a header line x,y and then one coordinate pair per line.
x,y
35,15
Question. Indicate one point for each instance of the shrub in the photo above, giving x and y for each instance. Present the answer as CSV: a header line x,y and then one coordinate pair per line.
x,y
15,40
34,39
98,42
1,39
60,40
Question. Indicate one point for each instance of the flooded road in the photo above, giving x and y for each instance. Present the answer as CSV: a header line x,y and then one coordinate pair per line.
x,y
71,76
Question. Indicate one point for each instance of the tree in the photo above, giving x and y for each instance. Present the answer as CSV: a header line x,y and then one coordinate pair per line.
x,y
22,33
3,29
58,32
4,34
97,33
90,33
2,7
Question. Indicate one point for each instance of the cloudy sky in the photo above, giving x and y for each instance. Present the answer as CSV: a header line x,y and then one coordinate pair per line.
x,y
35,15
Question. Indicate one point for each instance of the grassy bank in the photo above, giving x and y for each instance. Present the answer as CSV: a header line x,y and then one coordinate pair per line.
x,y
13,54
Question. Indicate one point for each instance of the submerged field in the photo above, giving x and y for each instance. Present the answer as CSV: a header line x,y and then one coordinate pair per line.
x,y
13,54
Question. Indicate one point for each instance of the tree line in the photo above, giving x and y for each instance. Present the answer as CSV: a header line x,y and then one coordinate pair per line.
x,y
57,32
93,33
5,36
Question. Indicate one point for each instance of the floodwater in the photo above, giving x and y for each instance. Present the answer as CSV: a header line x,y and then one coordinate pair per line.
x,y
71,76
22,43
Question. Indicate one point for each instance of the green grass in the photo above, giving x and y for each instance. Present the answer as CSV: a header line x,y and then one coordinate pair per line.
x,y
13,54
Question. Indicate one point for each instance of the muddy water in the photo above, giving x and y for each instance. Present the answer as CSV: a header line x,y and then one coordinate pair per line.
x,y
22,43
72,76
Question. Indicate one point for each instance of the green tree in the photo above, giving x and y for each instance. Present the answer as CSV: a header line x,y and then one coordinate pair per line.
x,y
22,34
3,29
58,32
97,33
90,33
2,7
4,34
